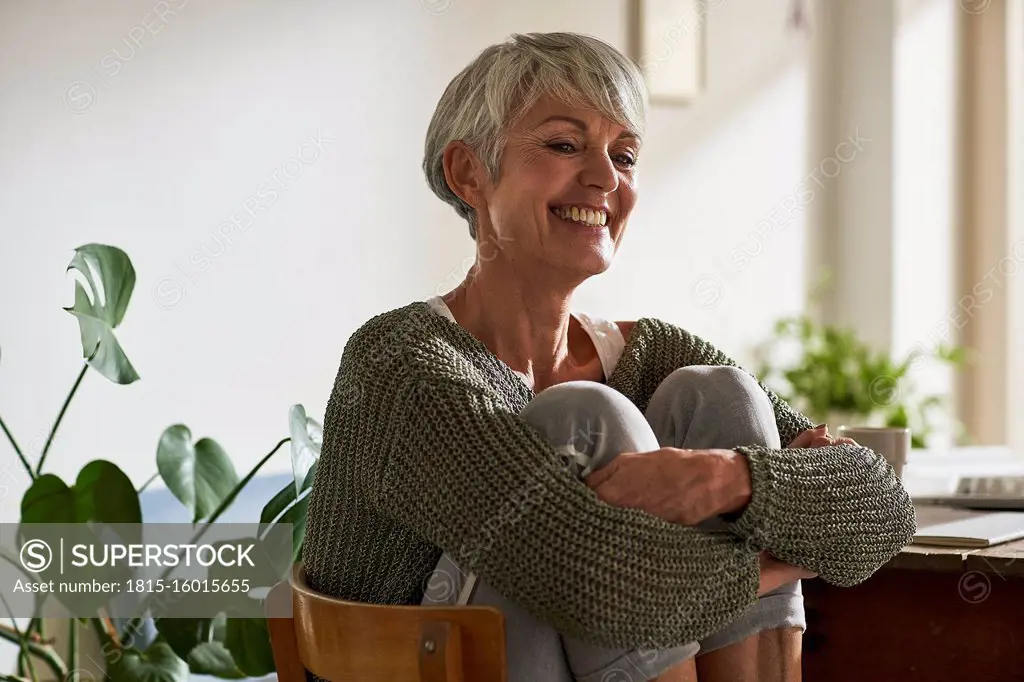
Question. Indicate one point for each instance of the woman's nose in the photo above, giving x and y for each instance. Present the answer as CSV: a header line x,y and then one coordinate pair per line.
x,y
599,172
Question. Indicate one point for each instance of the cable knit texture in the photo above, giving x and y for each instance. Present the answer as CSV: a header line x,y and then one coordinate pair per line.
x,y
424,452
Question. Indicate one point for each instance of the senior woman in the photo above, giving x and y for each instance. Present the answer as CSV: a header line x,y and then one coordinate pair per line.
x,y
619,489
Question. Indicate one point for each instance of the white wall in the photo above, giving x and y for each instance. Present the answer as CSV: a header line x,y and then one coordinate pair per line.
x,y
1015,76
712,243
184,130
924,193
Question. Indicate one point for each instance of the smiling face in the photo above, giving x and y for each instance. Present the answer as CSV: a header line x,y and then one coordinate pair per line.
x,y
565,190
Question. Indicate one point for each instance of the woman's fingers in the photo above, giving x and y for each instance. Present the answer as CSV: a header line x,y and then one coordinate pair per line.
x,y
596,478
776,573
802,440
819,437
825,441
806,439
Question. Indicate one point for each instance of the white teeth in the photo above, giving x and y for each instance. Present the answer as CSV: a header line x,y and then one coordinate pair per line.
x,y
587,216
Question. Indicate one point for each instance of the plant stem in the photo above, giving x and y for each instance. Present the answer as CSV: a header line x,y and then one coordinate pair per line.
x,y
17,450
107,627
13,678
60,416
133,625
34,631
106,633
43,651
101,631
24,657
73,643
28,647
150,480
31,664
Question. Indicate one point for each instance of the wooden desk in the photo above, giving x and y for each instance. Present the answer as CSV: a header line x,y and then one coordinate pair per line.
x,y
932,614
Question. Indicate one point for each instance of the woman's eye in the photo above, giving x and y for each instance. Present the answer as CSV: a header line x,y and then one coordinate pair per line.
x,y
626,160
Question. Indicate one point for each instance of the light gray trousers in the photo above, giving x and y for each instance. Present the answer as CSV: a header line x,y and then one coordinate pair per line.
x,y
698,407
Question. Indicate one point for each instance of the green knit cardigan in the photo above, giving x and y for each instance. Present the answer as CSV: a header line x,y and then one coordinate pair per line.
x,y
424,452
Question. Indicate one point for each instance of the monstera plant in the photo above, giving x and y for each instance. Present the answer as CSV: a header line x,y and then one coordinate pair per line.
x,y
198,472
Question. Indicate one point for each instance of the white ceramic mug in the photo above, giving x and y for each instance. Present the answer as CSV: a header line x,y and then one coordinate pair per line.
x,y
891,442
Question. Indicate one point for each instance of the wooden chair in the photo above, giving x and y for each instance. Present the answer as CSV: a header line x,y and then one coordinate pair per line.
x,y
345,641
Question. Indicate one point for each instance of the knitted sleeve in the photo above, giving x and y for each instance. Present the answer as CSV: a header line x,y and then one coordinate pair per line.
x,y
839,511
470,476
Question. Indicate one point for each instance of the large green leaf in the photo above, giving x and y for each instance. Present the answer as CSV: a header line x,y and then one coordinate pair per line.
x,y
276,506
307,436
271,558
283,500
48,500
200,475
106,494
182,634
213,658
111,278
296,515
249,643
101,493
158,663
200,642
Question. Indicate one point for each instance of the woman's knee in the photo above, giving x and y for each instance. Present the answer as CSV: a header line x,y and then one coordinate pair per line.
x,y
717,383
712,406
591,422
586,396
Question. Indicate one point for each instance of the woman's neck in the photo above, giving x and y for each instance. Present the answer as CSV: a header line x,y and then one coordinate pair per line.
x,y
530,329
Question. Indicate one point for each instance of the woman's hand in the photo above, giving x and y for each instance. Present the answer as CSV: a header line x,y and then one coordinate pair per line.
x,y
775,573
818,437
680,486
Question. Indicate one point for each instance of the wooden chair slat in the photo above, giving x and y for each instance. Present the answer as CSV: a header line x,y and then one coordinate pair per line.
x,y
345,641
283,639
441,652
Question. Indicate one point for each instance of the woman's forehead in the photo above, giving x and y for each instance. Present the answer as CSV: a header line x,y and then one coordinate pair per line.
x,y
549,110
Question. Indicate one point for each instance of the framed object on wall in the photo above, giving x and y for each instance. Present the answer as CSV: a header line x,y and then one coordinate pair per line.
x,y
667,41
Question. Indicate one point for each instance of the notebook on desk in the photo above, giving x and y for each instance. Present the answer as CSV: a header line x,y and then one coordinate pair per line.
x,y
974,533
981,492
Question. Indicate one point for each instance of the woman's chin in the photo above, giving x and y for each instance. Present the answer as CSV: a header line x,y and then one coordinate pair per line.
x,y
583,248
589,261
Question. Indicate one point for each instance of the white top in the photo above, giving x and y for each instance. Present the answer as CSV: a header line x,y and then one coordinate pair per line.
x,y
605,334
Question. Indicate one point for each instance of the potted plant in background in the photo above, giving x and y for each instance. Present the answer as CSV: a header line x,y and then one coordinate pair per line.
x,y
198,473
832,375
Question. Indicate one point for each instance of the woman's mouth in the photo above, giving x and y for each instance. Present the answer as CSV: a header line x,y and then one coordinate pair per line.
x,y
588,217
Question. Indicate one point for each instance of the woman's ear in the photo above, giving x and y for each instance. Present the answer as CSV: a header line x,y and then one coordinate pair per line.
x,y
465,175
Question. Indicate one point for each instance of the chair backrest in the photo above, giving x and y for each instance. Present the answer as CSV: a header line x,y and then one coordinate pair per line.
x,y
345,641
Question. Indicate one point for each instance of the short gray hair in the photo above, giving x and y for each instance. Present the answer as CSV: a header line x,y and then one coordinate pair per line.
x,y
488,96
